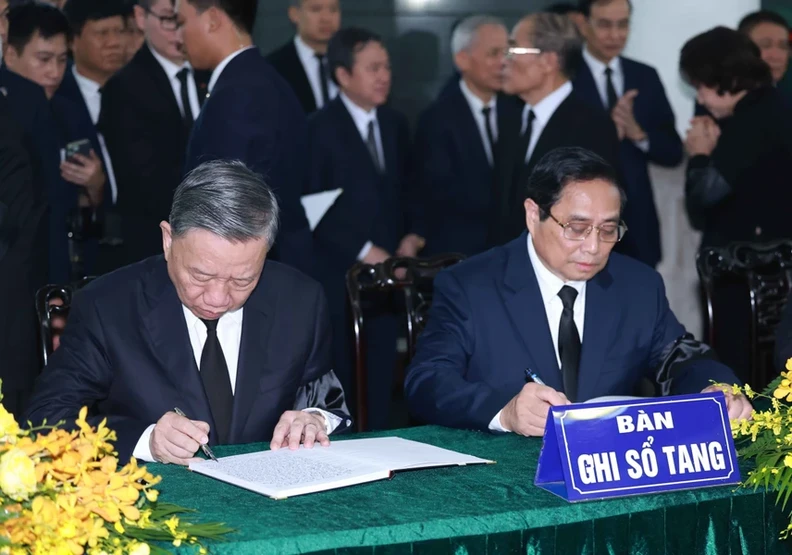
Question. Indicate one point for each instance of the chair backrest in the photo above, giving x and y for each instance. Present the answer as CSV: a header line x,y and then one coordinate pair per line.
x,y
53,301
412,277
765,270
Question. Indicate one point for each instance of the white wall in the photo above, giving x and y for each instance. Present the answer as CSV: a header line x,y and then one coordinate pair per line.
x,y
659,29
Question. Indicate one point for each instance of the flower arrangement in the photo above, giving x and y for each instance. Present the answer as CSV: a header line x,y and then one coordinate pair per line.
x,y
63,493
767,439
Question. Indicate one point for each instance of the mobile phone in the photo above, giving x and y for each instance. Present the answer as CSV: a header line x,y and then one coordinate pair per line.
x,y
83,146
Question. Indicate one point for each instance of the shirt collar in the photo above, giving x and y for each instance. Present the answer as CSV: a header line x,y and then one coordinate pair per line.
x,y
222,65
359,115
549,283
88,86
227,319
306,53
546,107
476,104
171,69
597,67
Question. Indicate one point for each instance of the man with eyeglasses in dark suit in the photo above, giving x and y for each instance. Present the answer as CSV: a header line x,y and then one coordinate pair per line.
x,y
148,110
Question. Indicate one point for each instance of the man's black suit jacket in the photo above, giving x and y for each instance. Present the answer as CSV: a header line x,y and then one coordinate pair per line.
x,y
453,184
252,115
147,140
654,114
373,205
21,217
287,62
574,123
126,354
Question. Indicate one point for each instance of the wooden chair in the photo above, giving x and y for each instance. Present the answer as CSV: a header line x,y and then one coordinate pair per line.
x,y
53,301
414,279
765,271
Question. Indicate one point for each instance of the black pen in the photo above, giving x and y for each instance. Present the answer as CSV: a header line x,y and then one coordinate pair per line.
x,y
531,377
204,447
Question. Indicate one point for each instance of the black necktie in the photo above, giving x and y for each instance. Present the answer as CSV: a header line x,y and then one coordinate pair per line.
x,y
187,114
569,342
216,381
323,78
486,111
525,140
610,90
371,144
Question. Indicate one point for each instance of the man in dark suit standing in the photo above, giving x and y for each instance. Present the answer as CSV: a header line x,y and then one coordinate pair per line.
x,y
586,321
148,111
28,107
251,113
303,60
539,66
242,347
21,217
456,140
37,49
361,146
98,51
634,97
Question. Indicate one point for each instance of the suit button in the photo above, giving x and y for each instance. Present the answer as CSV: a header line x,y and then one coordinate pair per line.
x,y
758,231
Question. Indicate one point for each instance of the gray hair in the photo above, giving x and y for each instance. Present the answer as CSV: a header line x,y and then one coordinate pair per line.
x,y
465,33
228,199
559,34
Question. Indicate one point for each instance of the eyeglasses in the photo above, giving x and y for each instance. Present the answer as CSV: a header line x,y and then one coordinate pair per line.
x,y
579,231
168,22
513,51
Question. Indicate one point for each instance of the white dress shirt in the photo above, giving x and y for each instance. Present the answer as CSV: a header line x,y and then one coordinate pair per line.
x,y
543,111
92,96
549,286
362,119
476,106
172,71
310,64
597,69
221,66
229,334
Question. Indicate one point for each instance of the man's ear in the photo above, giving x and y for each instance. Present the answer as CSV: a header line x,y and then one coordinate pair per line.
x,y
532,213
294,14
167,239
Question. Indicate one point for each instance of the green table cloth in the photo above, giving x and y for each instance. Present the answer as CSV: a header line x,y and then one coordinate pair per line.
x,y
488,509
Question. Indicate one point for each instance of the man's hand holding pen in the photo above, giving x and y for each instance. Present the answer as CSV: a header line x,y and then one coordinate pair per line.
x,y
526,414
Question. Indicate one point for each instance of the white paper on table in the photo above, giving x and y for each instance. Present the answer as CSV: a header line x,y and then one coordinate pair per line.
x,y
285,473
316,205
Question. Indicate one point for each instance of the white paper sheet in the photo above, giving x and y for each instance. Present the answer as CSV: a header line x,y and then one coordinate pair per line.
x,y
316,205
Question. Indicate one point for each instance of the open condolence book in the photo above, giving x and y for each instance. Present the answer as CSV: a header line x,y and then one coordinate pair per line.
x,y
285,473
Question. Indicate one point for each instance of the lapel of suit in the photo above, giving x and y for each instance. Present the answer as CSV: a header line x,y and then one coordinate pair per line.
x,y
300,82
468,130
160,80
163,320
348,128
524,304
601,301
253,364
587,87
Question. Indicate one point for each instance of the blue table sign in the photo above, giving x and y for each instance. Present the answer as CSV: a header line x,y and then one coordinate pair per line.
x,y
614,449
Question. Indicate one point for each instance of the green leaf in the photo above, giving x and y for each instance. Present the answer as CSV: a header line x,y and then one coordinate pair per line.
x,y
772,386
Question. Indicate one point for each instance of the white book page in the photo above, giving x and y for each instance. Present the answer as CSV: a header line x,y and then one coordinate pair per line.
x,y
285,473
613,399
395,453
